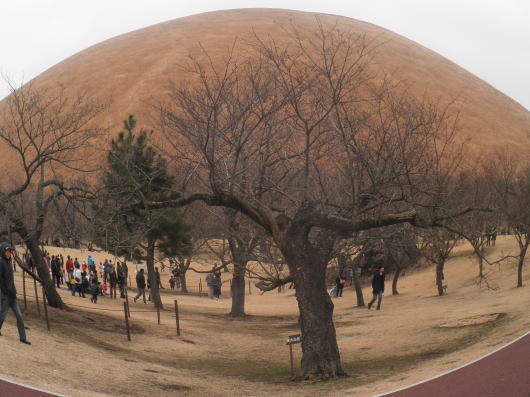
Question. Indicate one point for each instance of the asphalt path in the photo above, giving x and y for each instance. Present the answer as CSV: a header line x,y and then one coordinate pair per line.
x,y
12,389
502,373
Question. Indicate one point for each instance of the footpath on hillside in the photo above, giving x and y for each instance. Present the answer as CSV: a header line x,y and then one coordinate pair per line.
x,y
505,372
13,389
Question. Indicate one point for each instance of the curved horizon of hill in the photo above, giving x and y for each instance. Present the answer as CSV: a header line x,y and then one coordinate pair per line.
x,y
132,70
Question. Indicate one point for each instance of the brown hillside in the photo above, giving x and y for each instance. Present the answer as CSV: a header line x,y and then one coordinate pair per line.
x,y
132,69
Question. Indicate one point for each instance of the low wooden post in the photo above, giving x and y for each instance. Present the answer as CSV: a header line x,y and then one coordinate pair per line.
x,y
158,314
293,339
24,289
200,287
45,309
249,291
36,297
126,321
292,362
127,301
177,317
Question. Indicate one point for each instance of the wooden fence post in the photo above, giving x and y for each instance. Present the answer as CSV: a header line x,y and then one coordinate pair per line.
x,y
200,287
158,314
127,300
126,321
24,289
36,297
177,317
249,291
45,308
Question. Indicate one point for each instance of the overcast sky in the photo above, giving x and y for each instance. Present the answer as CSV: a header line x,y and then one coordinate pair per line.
x,y
490,38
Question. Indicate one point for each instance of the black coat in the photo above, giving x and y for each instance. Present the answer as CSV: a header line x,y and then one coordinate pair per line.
x,y
140,280
7,285
378,283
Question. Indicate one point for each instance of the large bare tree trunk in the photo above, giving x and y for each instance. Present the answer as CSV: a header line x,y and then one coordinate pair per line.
x,y
440,277
357,284
150,261
53,297
238,290
321,355
307,265
183,285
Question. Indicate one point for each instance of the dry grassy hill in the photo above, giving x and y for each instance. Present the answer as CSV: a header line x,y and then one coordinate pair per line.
x,y
416,335
133,69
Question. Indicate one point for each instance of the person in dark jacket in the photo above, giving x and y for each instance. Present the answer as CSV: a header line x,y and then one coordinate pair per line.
x,y
56,273
122,278
140,283
378,287
8,292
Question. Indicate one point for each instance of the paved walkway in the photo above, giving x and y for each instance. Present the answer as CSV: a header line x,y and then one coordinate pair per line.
x,y
13,389
504,372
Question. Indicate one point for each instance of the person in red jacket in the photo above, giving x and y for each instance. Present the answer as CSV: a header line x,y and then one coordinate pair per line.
x,y
69,271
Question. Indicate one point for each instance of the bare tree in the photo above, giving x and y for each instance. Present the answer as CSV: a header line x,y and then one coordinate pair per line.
x,y
47,136
512,183
436,245
267,135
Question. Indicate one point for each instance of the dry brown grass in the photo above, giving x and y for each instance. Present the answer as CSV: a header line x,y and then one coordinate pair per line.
x,y
87,352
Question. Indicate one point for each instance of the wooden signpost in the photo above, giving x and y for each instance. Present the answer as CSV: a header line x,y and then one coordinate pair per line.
x,y
291,340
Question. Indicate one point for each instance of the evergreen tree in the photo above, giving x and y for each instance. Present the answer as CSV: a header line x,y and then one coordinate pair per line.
x,y
126,225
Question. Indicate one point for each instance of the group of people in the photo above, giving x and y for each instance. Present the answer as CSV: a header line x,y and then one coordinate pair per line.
x,y
214,283
142,283
378,287
84,278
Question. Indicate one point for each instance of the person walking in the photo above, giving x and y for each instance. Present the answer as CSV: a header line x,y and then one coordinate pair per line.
x,y
339,286
140,283
94,289
56,271
113,281
8,292
210,283
78,281
122,278
158,278
378,287
69,271
217,285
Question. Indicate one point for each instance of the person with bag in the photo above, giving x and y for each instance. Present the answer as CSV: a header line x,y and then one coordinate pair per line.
x,y
78,281
8,292
378,287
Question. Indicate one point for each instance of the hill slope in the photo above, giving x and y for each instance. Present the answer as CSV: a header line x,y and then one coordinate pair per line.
x,y
133,69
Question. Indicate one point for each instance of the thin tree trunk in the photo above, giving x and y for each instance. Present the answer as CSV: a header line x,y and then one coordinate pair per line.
x,y
440,277
150,261
357,284
183,285
395,281
238,290
520,266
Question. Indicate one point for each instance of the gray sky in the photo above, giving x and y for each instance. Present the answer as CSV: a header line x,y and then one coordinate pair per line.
x,y
490,38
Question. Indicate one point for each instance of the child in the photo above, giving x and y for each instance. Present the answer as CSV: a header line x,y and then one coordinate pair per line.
x,y
105,288
172,282
95,291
